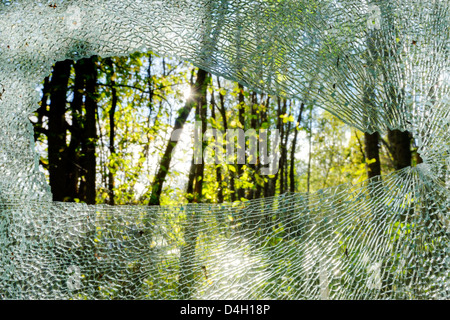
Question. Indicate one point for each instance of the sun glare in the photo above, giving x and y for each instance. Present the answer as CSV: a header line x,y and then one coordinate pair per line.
x,y
187,93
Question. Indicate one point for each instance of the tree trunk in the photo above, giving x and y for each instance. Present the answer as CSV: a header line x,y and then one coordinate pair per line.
x,y
220,197
74,169
225,128
112,112
266,189
283,152
187,252
201,112
241,111
57,129
285,162
183,114
308,178
294,145
190,184
400,143
372,153
90,129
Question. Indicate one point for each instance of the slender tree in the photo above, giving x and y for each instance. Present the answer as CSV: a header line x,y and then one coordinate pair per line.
x,y
220,196
241,117
196,99
293,149
225,128
112,134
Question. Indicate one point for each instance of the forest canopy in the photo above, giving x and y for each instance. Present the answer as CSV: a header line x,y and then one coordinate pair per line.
x,y
139,100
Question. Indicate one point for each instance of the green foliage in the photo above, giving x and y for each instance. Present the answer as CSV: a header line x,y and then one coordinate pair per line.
x,y
150,91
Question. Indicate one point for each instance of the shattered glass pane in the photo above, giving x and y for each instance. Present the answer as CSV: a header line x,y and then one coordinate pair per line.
x,y
373,64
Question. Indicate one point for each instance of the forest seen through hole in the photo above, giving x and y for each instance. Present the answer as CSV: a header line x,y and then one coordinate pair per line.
x,y
104,125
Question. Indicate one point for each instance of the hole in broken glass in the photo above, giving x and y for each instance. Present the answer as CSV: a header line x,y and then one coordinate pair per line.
x,y
135,102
